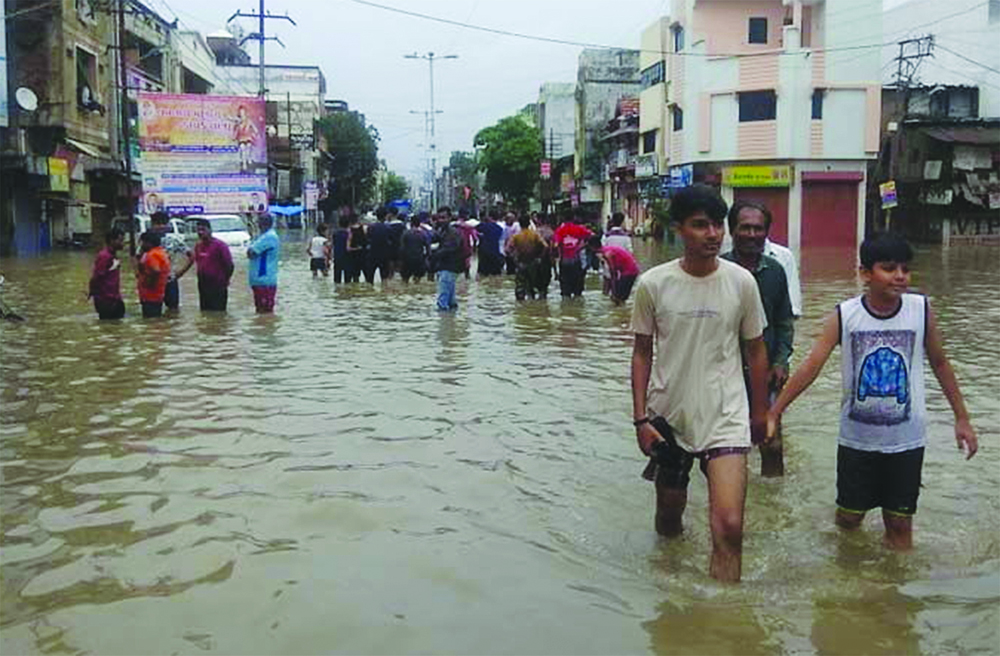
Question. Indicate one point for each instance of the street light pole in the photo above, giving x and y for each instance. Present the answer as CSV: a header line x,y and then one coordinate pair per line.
x,y
430,57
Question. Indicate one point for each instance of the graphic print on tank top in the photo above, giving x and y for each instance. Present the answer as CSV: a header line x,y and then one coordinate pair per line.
x,y
882,376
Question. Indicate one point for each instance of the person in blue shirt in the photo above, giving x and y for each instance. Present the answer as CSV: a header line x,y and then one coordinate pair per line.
x,y
263,269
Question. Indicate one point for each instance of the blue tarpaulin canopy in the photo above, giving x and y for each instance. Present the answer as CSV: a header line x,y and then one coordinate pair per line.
x,y
286,210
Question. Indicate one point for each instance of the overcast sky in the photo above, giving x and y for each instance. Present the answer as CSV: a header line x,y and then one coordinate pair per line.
x,y
360,51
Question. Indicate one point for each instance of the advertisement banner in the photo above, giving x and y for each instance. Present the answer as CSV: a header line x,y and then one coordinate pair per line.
x,y
202,154
887,190
545,169
757,176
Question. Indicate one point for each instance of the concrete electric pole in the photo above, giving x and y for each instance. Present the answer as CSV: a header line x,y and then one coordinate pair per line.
x,y
259,36
430,57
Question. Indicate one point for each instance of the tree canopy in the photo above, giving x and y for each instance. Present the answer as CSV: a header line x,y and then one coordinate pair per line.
x,y
510,152
394,187
353,149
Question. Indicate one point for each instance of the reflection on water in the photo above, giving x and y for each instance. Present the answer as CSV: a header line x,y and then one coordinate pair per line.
x,y
359,474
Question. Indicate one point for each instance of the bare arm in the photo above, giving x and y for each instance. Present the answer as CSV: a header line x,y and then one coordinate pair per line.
x,y
642,365
755,355
964,433
187,265
808,370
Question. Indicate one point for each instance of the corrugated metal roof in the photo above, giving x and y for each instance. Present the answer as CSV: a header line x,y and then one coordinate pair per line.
x,y
986,136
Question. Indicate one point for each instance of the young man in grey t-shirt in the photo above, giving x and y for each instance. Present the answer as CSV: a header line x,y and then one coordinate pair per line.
x,y
696,319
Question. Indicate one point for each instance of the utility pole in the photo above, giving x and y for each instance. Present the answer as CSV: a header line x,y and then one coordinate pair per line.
x,y
911,53
429,173
430,57
126,121
259,36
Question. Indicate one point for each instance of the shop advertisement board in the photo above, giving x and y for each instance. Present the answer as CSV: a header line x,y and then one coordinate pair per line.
x,y
757,176
202,153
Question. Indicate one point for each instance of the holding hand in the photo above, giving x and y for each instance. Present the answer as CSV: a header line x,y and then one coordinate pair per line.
x,y
777,377
772,426
965,435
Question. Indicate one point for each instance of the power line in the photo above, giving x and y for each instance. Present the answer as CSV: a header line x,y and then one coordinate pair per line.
x,y
603,46
971,61
224,69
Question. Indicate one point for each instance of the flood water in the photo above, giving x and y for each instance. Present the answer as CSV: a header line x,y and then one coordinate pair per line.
x,y
359,474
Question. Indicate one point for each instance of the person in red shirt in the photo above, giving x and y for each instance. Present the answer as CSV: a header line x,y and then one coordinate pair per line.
x,y
570,242
105,281
215,268
621,265
152,271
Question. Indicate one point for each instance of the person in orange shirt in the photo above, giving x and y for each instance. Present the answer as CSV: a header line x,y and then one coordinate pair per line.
x,y
152,271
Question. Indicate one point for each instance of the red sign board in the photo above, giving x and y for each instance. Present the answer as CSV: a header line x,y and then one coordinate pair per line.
x,y
546,169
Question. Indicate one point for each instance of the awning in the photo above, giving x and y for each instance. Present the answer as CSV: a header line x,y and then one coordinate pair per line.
x,y
985,136
628,129
86,149
286,210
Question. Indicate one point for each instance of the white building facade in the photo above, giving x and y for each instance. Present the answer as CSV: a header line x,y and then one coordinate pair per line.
x,y
776,101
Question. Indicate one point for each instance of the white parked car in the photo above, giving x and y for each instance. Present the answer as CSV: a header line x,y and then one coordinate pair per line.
x,y
142,223
229,228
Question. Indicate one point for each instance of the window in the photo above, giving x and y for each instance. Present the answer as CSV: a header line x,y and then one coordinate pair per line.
x,y
649,141
678,34
757,106
817,103
652,75
994,12
758,30
678,115
86,80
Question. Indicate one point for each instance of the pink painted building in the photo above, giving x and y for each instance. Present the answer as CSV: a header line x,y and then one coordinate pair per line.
x,y
773,100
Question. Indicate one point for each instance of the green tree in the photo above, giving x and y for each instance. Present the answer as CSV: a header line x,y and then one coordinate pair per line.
x,y
464,168
353,161
510,152
395,187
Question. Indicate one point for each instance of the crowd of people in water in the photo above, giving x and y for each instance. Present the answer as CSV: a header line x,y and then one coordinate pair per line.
x,y
713,336
441,247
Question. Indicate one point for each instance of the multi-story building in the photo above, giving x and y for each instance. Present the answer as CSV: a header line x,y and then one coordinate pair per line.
x,y
557,118
59,161
603,78
776,101
621,141
557,124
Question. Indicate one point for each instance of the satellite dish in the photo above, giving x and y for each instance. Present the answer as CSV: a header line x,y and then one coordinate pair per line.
x,y
26,99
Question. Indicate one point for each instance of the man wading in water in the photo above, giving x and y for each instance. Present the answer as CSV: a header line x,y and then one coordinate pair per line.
x,y
692,317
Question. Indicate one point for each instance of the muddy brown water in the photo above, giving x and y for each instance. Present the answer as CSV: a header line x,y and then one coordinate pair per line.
x,y
359,474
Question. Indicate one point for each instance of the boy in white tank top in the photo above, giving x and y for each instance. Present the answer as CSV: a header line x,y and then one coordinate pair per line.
x,y
884,335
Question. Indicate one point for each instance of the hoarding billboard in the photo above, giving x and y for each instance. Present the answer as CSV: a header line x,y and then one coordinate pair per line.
x,y
202,154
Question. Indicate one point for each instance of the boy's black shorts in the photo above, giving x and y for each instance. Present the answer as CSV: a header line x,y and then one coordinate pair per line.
x,y
871,479
317,264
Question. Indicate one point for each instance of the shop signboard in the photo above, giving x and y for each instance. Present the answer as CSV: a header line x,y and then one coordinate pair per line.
x,y
202,153
310,195
681,176
58,174
757,176
645,166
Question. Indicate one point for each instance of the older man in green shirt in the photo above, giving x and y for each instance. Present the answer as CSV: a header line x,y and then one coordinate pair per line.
x,y
749,224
